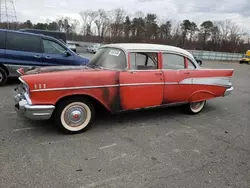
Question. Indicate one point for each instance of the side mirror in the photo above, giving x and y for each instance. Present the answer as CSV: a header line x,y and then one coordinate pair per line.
x,y
66,54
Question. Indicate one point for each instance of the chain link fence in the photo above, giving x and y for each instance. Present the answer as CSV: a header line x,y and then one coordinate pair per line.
x,y
219,56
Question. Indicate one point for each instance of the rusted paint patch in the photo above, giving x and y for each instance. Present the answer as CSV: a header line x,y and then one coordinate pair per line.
x,y
106,94
111,95
115,104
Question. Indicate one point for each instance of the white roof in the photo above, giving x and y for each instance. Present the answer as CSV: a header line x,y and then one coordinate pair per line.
x,y
146,46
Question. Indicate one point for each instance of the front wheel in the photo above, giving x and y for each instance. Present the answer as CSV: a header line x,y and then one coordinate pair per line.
x,y
74,115
195,107
3,77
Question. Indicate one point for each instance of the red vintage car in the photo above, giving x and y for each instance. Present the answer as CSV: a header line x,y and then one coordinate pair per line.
x,y
120,77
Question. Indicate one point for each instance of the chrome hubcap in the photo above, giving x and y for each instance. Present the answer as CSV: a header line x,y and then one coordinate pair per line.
x,y
196,105
75,116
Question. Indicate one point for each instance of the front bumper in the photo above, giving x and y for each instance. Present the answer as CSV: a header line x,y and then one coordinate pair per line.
x,y
228,91
33,112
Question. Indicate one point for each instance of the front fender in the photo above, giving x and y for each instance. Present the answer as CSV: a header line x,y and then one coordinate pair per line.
x,y
88,95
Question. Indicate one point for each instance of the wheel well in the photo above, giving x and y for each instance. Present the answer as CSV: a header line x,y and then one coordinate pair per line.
x,y
97,104
5,68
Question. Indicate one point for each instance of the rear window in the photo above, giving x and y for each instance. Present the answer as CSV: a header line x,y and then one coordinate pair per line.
x,y
23,42
2,40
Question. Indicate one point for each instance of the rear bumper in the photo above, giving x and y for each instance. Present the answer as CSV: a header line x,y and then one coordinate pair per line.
x,y
33,112
228,91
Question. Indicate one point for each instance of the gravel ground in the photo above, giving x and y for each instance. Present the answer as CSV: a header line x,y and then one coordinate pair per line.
x,y
153,149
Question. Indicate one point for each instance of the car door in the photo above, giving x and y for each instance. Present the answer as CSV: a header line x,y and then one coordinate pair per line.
x,y
22,51
55,54
142,85
174,74
2,47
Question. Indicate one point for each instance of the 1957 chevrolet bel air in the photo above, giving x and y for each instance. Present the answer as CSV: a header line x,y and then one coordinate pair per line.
x,y
120,77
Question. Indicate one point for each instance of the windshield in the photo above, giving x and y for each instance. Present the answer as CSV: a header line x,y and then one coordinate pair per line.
x,y
247,56
110,58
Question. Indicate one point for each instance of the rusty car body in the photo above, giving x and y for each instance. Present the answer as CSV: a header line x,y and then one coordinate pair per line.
x,y
120,77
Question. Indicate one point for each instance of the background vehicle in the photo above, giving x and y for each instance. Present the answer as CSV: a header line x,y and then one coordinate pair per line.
x,y
246,58
71,46
93,48
199,61
55,34
26,50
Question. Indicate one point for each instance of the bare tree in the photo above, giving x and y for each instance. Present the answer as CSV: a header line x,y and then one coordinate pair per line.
x,y
88,18
102,22
224,28
117,19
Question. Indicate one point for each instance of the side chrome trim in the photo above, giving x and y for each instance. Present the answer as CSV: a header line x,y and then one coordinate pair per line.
x,y
220,81
73,88
171,83
141,84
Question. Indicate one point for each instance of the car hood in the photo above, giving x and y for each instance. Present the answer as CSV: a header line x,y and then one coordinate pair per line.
x,y
49,69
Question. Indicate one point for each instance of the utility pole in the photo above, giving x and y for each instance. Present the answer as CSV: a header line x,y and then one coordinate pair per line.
x,y
7,13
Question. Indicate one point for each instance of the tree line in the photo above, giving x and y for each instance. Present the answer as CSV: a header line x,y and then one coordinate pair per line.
x,y
118,26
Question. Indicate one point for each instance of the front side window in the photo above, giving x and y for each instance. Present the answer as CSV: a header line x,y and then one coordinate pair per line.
x,y
23,42
51,47
143,61
173,61
110,58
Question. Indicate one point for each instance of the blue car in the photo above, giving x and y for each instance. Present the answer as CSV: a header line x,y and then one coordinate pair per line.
x,y
26,50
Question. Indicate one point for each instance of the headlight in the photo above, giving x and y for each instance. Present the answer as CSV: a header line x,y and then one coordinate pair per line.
x,y
24,86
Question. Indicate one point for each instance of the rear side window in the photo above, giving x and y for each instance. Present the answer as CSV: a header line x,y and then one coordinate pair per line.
x,y
2,40
23,42
173,61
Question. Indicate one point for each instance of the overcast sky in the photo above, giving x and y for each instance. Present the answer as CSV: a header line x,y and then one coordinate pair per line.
x,y
195,10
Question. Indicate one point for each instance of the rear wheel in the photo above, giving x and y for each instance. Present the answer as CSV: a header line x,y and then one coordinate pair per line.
x,y
74,115
195,107
3,76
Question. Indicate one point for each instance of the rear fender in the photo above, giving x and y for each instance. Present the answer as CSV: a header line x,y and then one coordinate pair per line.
x,y
201,95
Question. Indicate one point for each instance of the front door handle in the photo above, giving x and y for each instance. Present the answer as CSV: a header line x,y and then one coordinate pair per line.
x,y
186,72
47,57
37,56
158,73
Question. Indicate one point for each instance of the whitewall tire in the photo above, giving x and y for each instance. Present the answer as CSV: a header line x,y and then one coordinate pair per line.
x,y
74,115
195,107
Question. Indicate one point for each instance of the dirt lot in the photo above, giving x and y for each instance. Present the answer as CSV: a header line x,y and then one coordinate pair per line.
x,y
153,149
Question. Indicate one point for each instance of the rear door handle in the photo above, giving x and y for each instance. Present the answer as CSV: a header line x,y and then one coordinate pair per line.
x,y
37,56
158,73
186,72
47,57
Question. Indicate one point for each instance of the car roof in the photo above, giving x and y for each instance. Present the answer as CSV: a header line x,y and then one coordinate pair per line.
x,y
148,46
27,33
